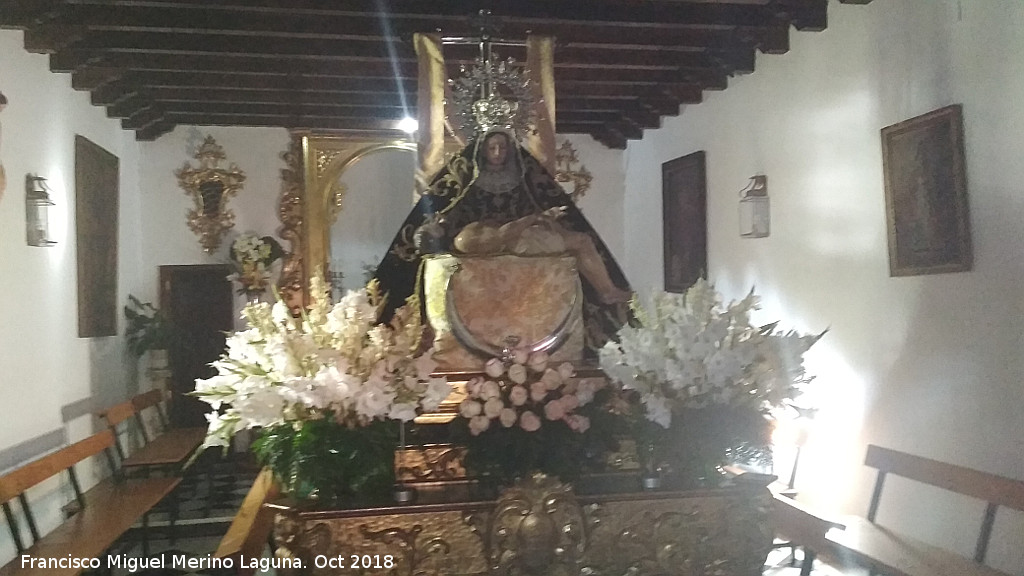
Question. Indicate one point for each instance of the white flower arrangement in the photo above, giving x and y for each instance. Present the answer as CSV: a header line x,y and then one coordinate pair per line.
x,y
691,352
332,362
526,393
253,256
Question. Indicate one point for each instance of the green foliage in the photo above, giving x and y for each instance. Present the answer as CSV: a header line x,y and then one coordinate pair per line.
x,y
701,439
330,462
148,328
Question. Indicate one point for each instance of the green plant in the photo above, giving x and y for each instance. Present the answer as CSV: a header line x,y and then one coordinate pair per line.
x,y
329,461
148,328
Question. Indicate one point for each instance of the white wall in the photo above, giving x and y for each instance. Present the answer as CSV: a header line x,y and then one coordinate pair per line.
x,y
602,203
167,239
44,366
928,364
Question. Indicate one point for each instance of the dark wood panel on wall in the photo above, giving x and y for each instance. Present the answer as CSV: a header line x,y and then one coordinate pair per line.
x,y
198,300
684,206
96,215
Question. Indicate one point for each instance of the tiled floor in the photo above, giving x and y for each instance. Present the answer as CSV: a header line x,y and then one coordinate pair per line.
x,y
207,502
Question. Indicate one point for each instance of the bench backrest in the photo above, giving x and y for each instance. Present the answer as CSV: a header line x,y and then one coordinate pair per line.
x,y
156,399
14,484
995,490
118,413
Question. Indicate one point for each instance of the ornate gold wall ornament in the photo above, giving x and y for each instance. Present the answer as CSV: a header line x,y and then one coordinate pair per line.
x,y
566,171
290,211
210,187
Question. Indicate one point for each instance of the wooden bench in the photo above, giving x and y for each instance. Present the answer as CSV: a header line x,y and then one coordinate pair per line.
x,y
800,526
885,551
796,524
250,530
167,449
103,513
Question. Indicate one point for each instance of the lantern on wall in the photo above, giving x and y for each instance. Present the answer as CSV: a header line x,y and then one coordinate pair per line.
x,y
37,208
755,218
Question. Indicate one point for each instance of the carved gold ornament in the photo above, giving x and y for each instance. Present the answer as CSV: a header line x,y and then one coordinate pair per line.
x,y
290,210
540,527
566,171
210,188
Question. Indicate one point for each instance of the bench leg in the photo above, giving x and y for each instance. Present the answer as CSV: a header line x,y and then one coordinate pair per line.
x,y
808,563
171,532
145,534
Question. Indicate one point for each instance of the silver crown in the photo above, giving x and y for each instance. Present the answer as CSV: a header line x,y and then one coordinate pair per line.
x,y
492,94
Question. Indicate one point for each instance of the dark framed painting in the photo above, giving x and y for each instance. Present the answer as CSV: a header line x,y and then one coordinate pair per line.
x,y
96,224
926,194
684,210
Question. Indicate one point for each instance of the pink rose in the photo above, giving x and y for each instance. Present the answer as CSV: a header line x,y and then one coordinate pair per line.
x,y
473,386
566,370
578,423
494,368
552,379
554,410
571,402
538,361
493,407
520,356
529,422
478,424
517,373
469,408
538,391
508,417
518,395
489,389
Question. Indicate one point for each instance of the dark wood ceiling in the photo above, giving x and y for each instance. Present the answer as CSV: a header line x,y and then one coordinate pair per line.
x,y
620,65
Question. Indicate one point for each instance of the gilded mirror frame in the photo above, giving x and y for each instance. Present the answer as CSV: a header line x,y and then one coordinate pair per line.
x,y
326,158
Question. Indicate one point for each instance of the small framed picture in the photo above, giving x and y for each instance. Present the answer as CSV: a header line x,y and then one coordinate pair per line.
x,y
684,212
926,194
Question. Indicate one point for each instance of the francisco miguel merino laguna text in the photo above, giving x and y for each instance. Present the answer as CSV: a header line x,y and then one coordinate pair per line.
x,y
135,563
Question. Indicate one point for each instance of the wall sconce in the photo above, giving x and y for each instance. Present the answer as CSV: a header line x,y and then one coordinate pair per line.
x,y
37,208
755,218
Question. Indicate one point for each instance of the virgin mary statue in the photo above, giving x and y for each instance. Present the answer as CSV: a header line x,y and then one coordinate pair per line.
x,y
494,198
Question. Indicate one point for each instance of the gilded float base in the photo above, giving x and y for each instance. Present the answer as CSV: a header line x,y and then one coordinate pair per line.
x,y
540,526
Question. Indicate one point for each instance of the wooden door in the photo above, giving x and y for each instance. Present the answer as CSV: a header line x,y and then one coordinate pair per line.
x,y
197,299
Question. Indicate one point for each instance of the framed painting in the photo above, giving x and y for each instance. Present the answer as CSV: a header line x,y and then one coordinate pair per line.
x,y
926,194
684,212
96,223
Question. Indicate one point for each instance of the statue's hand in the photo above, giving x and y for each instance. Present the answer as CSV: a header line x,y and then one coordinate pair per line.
x,y
554,213
429,237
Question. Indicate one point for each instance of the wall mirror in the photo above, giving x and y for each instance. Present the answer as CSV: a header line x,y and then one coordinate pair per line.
x,y
357,194
372,196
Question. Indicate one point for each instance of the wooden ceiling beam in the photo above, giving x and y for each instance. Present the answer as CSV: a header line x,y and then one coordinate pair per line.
x,y
808,15
22,14
143,118
154,131
365,58
537,11
381,77
291,121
